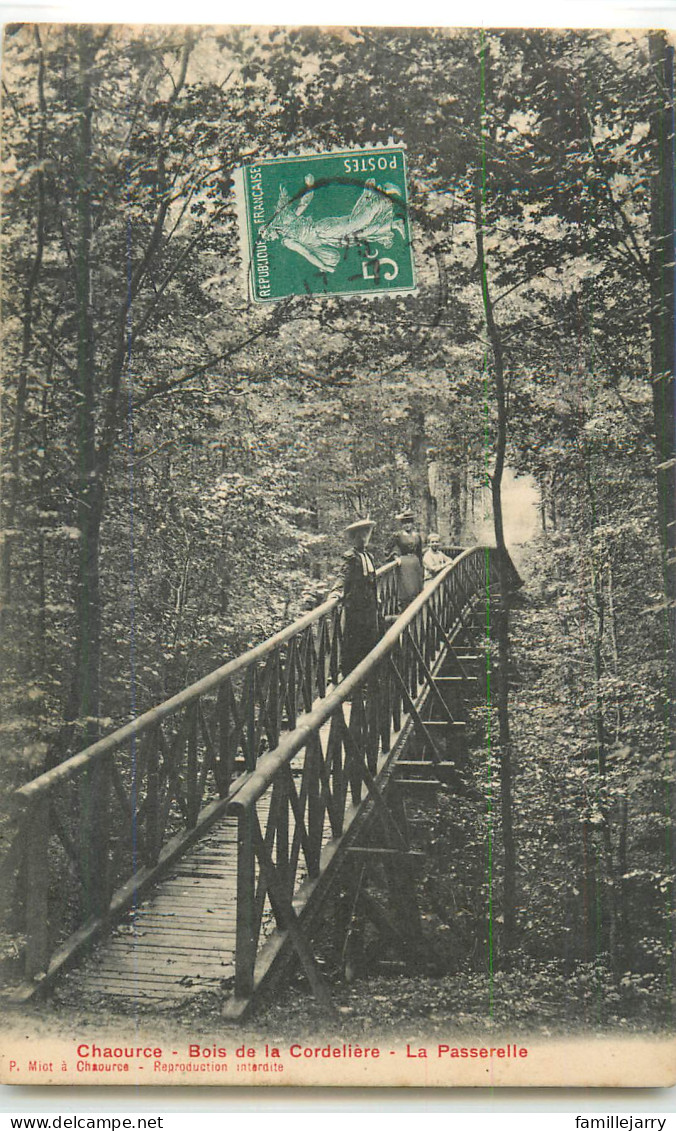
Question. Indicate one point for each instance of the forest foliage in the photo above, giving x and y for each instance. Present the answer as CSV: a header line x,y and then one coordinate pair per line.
x,y
178,463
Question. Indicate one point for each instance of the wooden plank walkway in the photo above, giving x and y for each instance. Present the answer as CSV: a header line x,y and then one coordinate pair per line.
x,y
179,942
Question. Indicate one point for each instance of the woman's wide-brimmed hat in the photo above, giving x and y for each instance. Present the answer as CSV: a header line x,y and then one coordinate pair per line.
x,y
406,516
360,524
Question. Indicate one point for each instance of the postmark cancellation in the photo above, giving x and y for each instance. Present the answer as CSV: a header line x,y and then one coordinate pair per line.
x,y
334,223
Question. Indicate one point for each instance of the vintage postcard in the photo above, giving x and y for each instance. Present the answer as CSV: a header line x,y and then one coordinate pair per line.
x,y
338,556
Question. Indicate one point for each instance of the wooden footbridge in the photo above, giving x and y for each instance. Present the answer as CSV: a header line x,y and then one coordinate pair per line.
x,y
194,849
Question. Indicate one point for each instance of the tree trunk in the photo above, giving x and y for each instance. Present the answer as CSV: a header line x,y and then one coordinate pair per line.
x,y
509,577
83,702
611,897
599,630
453,477
662,254
419,473
506,804
553,509
625,933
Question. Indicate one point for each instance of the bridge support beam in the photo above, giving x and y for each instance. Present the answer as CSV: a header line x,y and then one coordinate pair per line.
x,y
399,924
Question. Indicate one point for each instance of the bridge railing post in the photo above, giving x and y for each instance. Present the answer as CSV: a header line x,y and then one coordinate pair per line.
x,y
372,730
102,855
245,932
308,682
192,766
225,757
94,796
315,820
274,709
152,799
386,707
336,645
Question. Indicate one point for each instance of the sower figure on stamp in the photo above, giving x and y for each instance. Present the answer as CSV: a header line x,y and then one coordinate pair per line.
x,y
408,550
356,586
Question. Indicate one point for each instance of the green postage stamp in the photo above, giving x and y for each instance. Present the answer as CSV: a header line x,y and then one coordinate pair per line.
x,y
328,223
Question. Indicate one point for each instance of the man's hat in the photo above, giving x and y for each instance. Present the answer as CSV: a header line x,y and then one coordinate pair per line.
x,y
360,524
406,516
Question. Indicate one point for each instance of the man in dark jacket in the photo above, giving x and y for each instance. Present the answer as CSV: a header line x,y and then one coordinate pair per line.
x,y
356,586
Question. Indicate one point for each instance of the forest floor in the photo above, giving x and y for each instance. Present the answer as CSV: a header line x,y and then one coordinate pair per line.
x,y
535,1000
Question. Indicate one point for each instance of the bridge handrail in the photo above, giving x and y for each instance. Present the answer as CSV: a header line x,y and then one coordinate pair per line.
x,y
79,762
323,775
269,764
